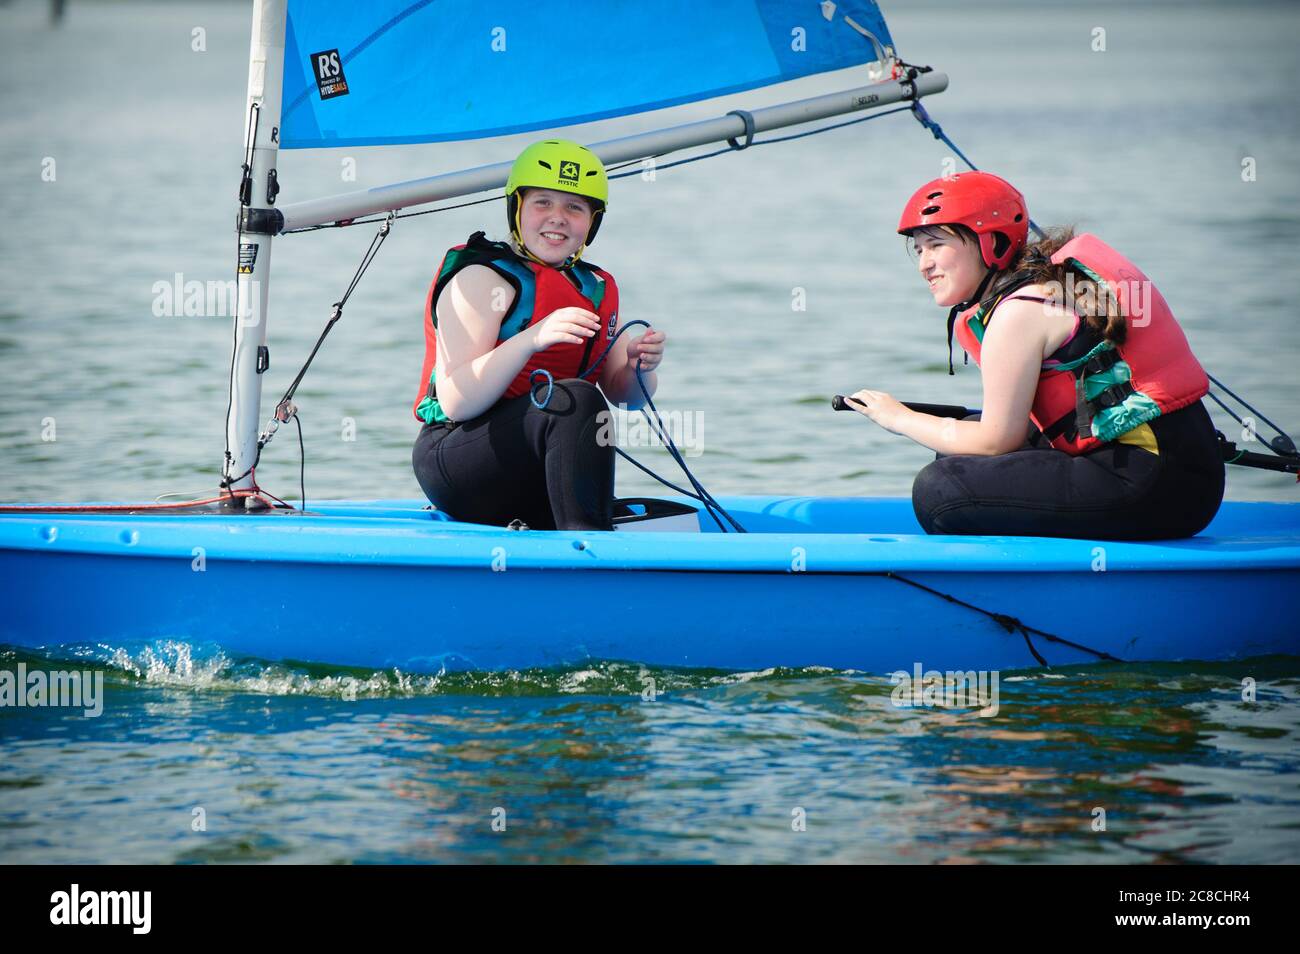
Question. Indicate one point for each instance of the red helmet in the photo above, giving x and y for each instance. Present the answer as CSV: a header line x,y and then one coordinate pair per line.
x,y
986,204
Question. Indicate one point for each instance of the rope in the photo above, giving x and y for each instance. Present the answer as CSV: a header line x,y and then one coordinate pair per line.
x,y
924,118
1010,623
375,244
1288,447
702,495
709,502
667,483
302,464
285,409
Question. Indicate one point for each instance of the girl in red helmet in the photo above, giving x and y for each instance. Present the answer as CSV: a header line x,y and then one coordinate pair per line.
x,y
1078,350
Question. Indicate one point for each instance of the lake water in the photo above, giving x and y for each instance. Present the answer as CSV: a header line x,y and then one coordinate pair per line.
x,y
1144,143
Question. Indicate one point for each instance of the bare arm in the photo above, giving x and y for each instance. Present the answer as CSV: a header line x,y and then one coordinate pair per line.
x,y
473,371
618,376
1011,358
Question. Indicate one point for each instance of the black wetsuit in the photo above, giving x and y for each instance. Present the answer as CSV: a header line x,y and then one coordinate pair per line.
x,y
515,461
1117,492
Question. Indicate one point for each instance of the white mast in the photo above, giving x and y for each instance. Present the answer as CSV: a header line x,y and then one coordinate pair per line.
x,y
256,212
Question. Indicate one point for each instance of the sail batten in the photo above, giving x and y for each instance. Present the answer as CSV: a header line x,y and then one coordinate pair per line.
x,y
394,72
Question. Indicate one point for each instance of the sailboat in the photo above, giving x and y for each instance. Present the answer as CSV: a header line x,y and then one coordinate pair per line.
x,y
849,583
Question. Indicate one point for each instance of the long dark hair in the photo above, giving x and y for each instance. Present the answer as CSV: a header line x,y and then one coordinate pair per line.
x,y
1093,301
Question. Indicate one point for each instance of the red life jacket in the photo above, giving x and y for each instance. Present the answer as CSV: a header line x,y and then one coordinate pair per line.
x,y
1109,390
539,290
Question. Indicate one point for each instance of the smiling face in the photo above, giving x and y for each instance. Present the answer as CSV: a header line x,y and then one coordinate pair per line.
x,y
553,225
950,265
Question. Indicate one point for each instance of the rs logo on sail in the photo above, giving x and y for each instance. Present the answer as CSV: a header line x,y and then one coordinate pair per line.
x,y
328,70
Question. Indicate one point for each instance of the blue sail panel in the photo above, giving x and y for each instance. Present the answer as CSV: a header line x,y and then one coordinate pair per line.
x,y
407,71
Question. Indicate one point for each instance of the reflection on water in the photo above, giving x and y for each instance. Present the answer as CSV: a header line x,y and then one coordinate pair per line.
x,y
288,766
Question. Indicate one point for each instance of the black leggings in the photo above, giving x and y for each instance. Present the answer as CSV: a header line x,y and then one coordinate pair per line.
x,y
1117,492
515,461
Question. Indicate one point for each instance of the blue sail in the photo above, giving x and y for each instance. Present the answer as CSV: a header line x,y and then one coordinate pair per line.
x,y
407,71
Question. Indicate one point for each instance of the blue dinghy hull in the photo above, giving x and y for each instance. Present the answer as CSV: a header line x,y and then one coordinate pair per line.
x,y
847,583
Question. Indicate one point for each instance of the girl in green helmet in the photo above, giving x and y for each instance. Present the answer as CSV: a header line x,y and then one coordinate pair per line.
x,y
500,442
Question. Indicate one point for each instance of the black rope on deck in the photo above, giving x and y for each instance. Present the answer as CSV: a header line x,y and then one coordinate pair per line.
x,y
1010,623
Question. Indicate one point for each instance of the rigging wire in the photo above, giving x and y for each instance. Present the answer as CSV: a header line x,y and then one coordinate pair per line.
x,y
924,118
285,409
1282,444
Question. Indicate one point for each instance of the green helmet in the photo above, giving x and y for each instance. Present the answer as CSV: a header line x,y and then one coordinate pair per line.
x,y
565,167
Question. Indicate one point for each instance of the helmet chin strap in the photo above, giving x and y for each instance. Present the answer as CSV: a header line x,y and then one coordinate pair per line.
x,y
523,251
516,235
962,306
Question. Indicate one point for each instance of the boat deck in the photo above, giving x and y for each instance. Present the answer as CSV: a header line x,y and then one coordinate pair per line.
x,y
835,534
